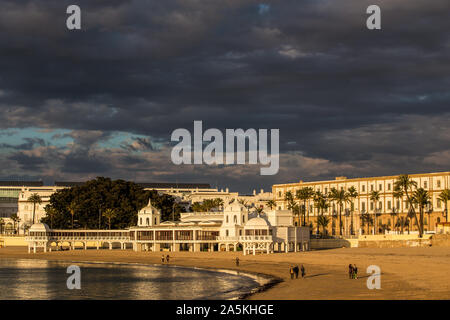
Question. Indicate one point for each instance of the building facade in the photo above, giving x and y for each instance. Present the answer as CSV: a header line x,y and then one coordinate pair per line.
x,y
390,212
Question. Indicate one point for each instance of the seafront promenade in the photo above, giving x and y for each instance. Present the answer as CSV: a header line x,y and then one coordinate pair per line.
x,y
407,273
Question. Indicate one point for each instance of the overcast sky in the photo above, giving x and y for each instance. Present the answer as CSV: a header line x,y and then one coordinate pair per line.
x,y
103,101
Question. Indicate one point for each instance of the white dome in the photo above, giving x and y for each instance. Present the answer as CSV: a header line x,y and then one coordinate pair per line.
x,y
256,223
39,227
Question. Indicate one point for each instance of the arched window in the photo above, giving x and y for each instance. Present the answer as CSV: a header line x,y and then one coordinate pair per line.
x,y
243,218
140,221
227,219
155,220
235,219
148,221
226,233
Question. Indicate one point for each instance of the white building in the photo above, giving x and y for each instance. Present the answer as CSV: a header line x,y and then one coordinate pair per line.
x,y
233,229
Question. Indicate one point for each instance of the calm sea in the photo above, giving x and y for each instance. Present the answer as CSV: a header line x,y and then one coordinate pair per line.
x,y
40,279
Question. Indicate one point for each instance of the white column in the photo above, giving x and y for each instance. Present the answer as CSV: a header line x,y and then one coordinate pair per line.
x,y
254,248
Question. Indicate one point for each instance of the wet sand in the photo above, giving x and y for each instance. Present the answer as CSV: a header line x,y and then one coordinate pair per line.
x,y
406,273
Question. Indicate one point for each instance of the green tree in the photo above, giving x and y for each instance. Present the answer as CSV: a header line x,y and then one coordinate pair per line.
x,y
444,196
72,208
271,204
15,220
323,222
291,204
197,207
340,196
320,202
375,197
109,214
97,195
352,194
405,184
366,219
50,213
304,194
394,214
34,198
421,197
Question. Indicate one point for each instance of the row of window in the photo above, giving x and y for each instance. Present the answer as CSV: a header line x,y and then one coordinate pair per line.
x,y
372,206
372,187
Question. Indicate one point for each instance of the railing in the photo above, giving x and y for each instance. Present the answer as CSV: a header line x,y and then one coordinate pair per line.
x,y
78,238
253,238
228,238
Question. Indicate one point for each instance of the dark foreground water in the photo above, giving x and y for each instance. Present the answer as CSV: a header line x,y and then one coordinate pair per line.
x,y
40,279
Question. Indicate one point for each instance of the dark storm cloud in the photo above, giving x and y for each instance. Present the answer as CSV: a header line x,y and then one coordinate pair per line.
x,y
365,102
27,145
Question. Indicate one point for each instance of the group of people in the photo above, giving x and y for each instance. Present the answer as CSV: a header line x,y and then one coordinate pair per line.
x,y
352,271
167,258
295,270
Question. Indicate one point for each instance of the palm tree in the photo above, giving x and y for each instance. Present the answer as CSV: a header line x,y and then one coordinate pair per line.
x,y
2,223
366,218
303,194
374,197
401,221
218,203
405,183
340,197
291,203
51,212
15,220
352,194
445,197
259,210
72,209
35,198
271,204
323,222
422,198
394,214
320,202
109,214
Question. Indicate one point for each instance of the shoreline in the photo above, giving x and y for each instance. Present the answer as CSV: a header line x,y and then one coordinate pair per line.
x,y
269,280
407,273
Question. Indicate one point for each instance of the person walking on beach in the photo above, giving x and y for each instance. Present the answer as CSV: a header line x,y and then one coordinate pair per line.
x,y
296,272
162,259
303,271
291,271
355,272
167,258
350,271
237,261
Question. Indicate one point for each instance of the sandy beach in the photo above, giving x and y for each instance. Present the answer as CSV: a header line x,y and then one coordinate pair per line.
x,y
407,273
